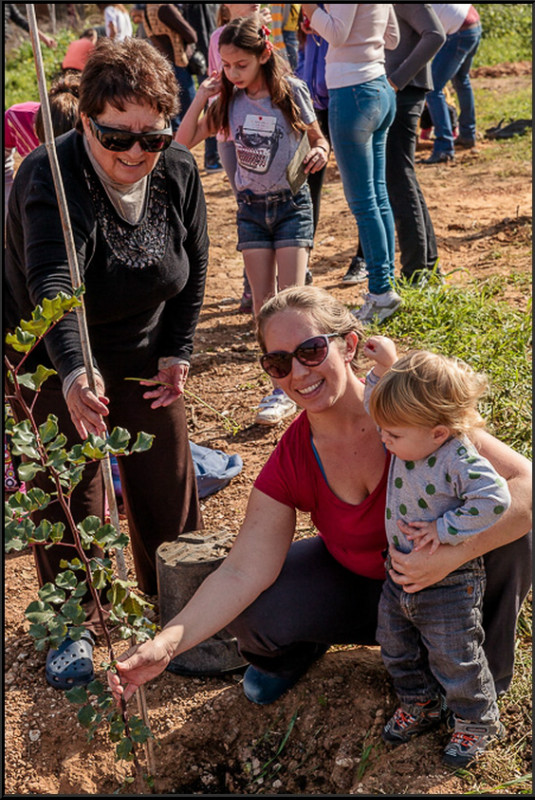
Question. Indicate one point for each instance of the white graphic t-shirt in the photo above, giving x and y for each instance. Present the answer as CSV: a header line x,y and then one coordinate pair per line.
x,y
264,140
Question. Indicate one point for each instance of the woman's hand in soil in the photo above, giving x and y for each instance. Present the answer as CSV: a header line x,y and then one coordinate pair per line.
x,y
172,380
137,666
86,408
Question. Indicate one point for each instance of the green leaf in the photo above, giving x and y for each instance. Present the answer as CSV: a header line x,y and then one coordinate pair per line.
x,y
86,716
20,341
29,470
116,731
118,440
66,580
59,442
49,593
108,537
38,631
49,429
94,447
77,631
139,732
42,532
143,442
96,687
73,611
39,612
124,750
77,695
36,379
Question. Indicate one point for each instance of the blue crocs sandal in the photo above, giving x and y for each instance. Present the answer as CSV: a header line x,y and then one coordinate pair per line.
x,y
71,664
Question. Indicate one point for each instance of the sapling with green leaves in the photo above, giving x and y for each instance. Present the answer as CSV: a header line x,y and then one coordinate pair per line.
x,y
58,611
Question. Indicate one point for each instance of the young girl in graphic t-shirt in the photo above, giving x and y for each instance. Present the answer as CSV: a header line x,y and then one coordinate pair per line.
x,y
265,111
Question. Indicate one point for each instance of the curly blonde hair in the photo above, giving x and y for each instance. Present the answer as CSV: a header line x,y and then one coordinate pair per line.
x,y
424,389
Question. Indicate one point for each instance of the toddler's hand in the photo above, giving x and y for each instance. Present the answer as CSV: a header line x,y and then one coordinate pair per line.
x,y
382,350
424,533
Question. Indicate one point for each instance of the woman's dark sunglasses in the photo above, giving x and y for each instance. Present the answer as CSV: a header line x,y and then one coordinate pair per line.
x,y
311,353
120,141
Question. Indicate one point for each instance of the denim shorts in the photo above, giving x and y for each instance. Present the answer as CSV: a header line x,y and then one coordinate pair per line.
x,y
275,220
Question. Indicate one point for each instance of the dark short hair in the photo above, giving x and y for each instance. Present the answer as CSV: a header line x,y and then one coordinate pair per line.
x,y
63,102
130,71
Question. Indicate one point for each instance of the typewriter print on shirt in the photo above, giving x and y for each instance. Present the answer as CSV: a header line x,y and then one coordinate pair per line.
x,y
257,142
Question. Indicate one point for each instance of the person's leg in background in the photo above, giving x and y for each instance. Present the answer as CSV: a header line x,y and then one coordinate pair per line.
x,y
415,232
359,118
451,57
292,47
471,38
186,93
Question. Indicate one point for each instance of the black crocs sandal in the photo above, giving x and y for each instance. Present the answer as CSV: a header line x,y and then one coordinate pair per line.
x,y
71,664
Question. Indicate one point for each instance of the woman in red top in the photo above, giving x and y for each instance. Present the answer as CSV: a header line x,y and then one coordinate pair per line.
x,y
286,601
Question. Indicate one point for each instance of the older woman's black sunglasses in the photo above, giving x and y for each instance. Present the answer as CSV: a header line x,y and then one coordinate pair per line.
x,y
119,141
310,353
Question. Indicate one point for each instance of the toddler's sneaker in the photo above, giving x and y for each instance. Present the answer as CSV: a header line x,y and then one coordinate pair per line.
x,y
378,307
469,740
411,720
274,408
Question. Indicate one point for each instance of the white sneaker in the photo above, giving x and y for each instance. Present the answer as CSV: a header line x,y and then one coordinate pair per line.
x,y
274,408
378,307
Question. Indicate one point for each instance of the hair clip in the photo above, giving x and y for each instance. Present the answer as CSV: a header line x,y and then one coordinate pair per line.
x,y
265,30
269,47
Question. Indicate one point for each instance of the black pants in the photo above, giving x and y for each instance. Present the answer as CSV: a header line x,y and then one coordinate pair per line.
x,y
415,232
316,600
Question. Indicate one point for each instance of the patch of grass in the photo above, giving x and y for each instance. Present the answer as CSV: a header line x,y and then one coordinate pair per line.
x,y
20,79
476,324
506,33
493,105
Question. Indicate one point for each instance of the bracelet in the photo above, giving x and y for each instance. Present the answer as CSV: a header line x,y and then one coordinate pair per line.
x,y
325,150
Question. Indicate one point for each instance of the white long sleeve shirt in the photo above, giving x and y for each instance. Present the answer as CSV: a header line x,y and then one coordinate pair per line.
x,y
357,34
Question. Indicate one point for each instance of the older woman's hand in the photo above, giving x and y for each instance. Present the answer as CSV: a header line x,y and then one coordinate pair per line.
x,y
172,379
86,408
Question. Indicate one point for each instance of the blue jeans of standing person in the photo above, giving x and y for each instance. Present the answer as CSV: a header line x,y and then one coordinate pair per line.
x,y
292,47
452,63
186,93
359,119
432,643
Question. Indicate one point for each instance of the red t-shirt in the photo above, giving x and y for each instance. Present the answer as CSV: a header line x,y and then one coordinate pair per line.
x,y
353,534
77,54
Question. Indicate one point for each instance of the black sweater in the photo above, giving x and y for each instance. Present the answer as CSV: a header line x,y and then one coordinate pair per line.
x,y
144,283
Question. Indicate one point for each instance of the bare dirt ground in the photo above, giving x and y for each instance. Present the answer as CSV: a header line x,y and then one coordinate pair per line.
x,y
210,739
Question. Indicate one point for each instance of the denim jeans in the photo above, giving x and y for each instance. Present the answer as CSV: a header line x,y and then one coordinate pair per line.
x,y
432,641
359,119
275,220
292,47
416,235
452,63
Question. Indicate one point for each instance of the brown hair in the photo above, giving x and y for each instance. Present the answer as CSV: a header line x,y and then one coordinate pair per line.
x,y
63,101
329,314
424,389
223,15
249,34
130,71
